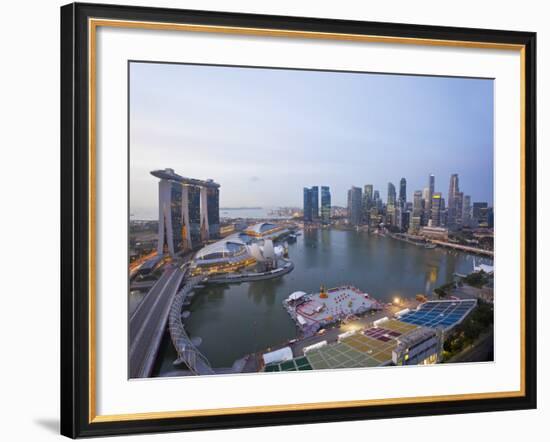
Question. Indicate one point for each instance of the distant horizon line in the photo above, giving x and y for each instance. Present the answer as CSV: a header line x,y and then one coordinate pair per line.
x,y
293,206
242,208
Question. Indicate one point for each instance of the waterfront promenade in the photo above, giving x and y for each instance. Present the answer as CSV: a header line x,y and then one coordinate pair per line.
x,y
463,248
248,277
188,354
420,241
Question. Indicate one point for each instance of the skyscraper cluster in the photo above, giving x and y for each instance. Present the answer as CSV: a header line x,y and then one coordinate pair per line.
x,y
427,208
311,205
367,208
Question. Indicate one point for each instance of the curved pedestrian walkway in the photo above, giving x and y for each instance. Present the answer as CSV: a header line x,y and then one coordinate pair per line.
x,y
188,354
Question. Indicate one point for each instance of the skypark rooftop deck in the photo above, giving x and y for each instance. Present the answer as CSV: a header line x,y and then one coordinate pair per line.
x,y
169,174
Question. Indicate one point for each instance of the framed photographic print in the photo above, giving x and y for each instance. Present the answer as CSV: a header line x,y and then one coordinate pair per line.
x,y
274,220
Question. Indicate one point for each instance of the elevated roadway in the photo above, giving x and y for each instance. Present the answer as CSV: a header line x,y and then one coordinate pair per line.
x,y
148,322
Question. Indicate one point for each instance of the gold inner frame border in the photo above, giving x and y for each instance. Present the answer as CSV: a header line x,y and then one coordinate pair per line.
x,y
93,24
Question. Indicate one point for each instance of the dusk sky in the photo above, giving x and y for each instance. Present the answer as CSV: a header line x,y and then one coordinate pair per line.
x,y
264,134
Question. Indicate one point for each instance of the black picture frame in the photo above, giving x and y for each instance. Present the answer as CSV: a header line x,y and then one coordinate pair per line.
x,y
75,220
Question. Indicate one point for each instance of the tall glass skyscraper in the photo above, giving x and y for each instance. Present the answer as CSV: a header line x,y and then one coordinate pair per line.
x,y
459,208
391,195
315,203
368,191
467,210
307,204
194,193
213,200
452,201
437,206
311,203
402,192
376,200
431,190
325,205
354,205
170,238
417,204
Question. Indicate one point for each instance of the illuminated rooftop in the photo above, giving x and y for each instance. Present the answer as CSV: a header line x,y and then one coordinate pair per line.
x,y
261,228
224,248
372,347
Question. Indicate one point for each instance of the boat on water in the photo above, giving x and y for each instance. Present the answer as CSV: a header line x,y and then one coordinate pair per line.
x,y
430,246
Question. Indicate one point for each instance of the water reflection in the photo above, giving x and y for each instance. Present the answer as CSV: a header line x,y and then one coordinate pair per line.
x,y
234,320
431,278
263,292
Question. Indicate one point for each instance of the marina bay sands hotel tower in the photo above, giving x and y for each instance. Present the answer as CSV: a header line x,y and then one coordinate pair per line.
x,y
189,212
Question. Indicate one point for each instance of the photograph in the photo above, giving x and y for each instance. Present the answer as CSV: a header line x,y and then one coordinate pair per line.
x,y
274,219
296,219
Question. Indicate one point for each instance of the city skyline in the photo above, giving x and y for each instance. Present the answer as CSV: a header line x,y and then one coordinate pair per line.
x,y
410,196
445,127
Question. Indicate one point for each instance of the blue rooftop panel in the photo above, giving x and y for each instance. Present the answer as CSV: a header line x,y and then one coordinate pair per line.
x,y
439,313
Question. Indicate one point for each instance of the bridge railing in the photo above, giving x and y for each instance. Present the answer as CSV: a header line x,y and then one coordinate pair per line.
x,y
187,352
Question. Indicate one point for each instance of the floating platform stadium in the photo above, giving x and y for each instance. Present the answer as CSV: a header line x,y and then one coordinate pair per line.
x,y
415,338
316,310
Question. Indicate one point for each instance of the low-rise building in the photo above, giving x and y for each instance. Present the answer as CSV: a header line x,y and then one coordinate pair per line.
x,y
390,342
266,230
415,224
420,347
437,233
228,255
